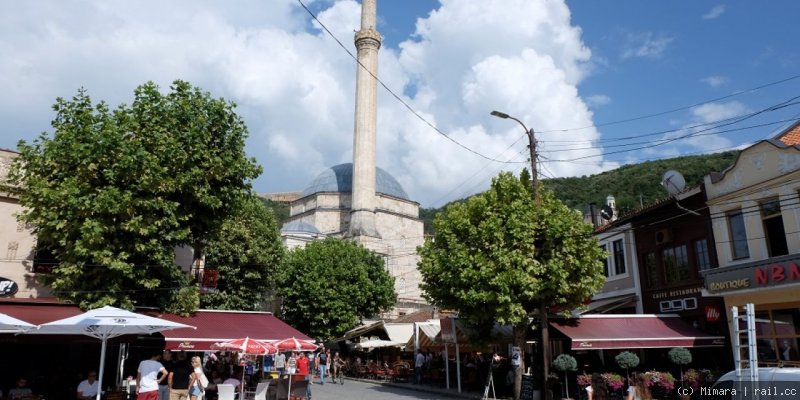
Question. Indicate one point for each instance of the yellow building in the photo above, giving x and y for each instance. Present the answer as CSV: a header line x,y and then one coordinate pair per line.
x,y
755,215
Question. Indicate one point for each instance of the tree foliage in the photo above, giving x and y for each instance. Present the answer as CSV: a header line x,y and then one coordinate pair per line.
x,y
246,253
328,285
112,193
498,257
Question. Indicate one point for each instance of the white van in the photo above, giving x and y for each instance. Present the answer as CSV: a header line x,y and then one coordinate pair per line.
x,y
773,384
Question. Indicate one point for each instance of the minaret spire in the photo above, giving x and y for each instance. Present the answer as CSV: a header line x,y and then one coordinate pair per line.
x,y
368,41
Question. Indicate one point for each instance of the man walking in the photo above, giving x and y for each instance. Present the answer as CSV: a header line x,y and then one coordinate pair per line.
x,y
419,362
323,366
149,375
280,363
179,378
302,369
168,363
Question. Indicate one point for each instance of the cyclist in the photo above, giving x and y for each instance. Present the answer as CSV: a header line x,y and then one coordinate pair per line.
x,y
336,368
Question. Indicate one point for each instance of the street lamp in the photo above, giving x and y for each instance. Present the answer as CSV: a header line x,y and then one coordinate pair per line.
x,y
535,185
532,148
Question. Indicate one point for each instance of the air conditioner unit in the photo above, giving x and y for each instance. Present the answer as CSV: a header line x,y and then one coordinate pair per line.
x,y
664,236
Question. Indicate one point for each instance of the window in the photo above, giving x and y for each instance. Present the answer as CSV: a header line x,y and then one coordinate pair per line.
x,y
777,336
619,257
676,264
701,254
606,272
652,270
774,232
738,235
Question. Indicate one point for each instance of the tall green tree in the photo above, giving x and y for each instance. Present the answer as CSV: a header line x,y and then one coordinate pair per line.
x,y
499,257
112,193
329,285
246,254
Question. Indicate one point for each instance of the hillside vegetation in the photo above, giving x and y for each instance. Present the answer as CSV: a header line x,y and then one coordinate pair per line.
x,y
631,185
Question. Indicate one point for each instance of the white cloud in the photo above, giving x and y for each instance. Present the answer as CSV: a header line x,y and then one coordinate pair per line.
x,y
715,80
700,134
714,12
295,86
645,45
598,100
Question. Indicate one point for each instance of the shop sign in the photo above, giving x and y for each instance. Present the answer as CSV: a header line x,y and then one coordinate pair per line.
x,y
186,345
8,287
773,272
712,313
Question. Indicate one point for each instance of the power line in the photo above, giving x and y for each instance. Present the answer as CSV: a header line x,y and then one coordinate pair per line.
x,y
391,92
677,109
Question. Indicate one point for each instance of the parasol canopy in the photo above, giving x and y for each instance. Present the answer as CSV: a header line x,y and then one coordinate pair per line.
x,y
293,344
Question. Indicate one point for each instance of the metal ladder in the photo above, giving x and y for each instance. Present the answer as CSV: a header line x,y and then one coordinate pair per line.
x,y
751,361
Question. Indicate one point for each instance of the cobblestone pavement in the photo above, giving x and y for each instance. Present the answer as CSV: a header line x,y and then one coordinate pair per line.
x,y
353,389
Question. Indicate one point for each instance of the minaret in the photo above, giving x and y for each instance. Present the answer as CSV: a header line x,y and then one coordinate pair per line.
x,y
368,41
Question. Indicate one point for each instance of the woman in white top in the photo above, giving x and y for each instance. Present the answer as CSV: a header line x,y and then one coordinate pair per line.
x,y
196,385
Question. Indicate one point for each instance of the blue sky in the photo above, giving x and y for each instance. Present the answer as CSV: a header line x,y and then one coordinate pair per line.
x,y
571,70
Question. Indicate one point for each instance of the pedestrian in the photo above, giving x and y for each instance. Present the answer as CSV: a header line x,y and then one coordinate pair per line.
x,y
639,389
419,363
21,390
291,364
280,363
198,381
323,365
303,364
179,377
148,376
87,389
598,390
168,363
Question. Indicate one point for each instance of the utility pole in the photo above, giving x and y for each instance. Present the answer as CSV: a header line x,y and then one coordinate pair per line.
x,y
535,191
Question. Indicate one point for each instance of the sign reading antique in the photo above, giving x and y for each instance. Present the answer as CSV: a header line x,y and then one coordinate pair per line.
x,y
770,273
8,287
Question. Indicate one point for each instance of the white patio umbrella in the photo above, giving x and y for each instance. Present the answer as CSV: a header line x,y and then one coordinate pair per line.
x,y
9,324
105,323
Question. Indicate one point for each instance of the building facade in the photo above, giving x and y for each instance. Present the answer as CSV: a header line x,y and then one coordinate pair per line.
x,y
755,213
17,245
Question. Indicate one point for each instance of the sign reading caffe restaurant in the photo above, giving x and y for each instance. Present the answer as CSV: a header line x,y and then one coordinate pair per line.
x,y
766,273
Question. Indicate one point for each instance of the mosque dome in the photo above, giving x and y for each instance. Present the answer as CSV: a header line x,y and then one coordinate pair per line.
x,y
339,178
300,227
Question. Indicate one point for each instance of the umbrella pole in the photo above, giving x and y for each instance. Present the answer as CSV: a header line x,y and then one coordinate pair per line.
x,y
241,389
102,367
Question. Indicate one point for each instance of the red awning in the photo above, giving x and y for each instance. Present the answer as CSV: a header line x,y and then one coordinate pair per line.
x,y
215,326
212,325
620,331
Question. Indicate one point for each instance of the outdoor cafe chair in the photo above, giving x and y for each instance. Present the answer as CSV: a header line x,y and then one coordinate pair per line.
x,y
226,392
261,391
299,390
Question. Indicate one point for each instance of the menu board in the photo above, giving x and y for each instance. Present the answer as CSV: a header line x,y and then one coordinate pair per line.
x,y
526,392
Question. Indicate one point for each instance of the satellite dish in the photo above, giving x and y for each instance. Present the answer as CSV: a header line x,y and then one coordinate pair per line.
x,y
673,181
606,212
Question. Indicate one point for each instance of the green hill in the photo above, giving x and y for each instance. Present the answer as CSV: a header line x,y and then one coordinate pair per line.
x,y
631,185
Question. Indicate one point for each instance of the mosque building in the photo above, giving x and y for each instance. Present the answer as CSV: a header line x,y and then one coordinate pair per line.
x,y
360,201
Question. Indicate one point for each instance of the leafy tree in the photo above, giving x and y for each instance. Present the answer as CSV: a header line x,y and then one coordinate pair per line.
x,y
246,253
498,257
112,193
328,285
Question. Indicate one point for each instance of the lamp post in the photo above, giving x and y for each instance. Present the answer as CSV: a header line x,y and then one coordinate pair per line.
x,y
535,191
532,148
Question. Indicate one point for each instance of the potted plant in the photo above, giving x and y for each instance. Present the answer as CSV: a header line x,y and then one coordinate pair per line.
x,y
680,356
565,363
627,360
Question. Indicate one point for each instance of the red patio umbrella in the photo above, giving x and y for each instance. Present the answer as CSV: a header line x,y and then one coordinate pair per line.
x,y
293,344
246,346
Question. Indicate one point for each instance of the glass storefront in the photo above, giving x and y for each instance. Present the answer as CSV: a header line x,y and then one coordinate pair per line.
x,y
777,335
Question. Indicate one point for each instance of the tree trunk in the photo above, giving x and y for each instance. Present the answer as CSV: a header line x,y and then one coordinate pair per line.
x,y
519,341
